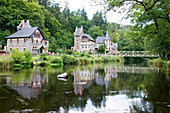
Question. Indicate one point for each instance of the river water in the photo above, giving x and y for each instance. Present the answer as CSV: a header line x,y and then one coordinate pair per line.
x,y
99,88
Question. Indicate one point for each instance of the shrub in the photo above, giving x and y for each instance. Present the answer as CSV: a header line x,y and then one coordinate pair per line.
x,y
68,51
67,59
88,55
90,52
105,59
43,56
28,58
56,60
17,56
82,54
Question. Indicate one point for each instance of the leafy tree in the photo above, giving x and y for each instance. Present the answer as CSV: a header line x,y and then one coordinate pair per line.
x,y
95,31
151,19
101,49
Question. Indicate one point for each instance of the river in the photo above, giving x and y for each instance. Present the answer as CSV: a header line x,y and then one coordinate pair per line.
x,y
99,88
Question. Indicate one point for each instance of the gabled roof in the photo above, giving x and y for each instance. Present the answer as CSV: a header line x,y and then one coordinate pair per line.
x,y
77,33
88,36
25,33
100,39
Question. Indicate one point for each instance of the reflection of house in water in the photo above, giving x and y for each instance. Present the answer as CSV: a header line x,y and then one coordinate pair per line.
x,y
84,78
31,88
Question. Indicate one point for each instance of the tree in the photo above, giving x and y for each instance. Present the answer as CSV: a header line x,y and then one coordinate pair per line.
x,y
101,49
95,31
151,19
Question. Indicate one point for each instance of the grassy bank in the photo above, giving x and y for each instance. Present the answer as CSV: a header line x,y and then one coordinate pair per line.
x,y
165,65
18,59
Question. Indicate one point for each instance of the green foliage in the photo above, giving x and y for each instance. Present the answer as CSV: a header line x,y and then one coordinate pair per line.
x,y
56,60
70,52
82,54
95,31
90,52
152,24
17,56
43,56
101,49
105,59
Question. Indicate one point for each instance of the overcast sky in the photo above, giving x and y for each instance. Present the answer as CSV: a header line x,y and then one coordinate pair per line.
x,y
74,5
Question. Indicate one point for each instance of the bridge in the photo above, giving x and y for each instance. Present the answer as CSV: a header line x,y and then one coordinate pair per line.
x,y
136,54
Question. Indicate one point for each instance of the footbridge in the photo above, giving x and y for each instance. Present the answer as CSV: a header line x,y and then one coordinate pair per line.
x,y
136,54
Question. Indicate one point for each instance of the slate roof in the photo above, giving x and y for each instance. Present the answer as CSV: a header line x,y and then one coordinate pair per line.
x,y
88,36
100,39
25,33
107,36
77,33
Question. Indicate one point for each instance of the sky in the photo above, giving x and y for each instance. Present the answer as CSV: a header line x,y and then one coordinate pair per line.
x,y
74,5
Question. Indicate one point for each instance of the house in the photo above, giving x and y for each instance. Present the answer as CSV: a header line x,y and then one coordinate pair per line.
x,y
27,38
84,42
109,46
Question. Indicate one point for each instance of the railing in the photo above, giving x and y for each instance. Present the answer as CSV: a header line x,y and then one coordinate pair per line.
x,y
136,54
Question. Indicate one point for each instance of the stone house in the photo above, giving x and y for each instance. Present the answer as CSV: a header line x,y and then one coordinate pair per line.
x,y
84,42
110,46
27,38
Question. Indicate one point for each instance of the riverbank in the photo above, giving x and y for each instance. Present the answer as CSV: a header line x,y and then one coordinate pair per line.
x,y
163,64
25,60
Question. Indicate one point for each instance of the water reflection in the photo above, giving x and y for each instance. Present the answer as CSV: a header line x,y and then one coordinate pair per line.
x,y
28,87
94,88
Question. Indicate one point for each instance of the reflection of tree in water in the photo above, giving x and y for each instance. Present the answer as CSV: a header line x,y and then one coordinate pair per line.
x,y
57,95
97,94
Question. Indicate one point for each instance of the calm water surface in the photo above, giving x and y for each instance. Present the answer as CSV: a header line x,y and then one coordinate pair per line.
x,y
100,88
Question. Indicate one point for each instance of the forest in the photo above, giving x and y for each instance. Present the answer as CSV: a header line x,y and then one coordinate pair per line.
x,y
150,30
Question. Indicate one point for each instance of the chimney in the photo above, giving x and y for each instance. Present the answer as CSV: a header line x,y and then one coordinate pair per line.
x,y
23,23
28,22
81,31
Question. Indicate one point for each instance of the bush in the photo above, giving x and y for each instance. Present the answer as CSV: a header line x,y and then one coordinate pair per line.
x,y
28,58
17,56
69,52
105,59
90,52
43,56
56,60
88,55
67,59
82,54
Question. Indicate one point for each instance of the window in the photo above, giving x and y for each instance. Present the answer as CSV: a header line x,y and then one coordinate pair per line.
x,y
17,40
45,43
41,41
82,46
36,41
32,40
24,49
24,40
85,46
10,40
37,35
10,49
